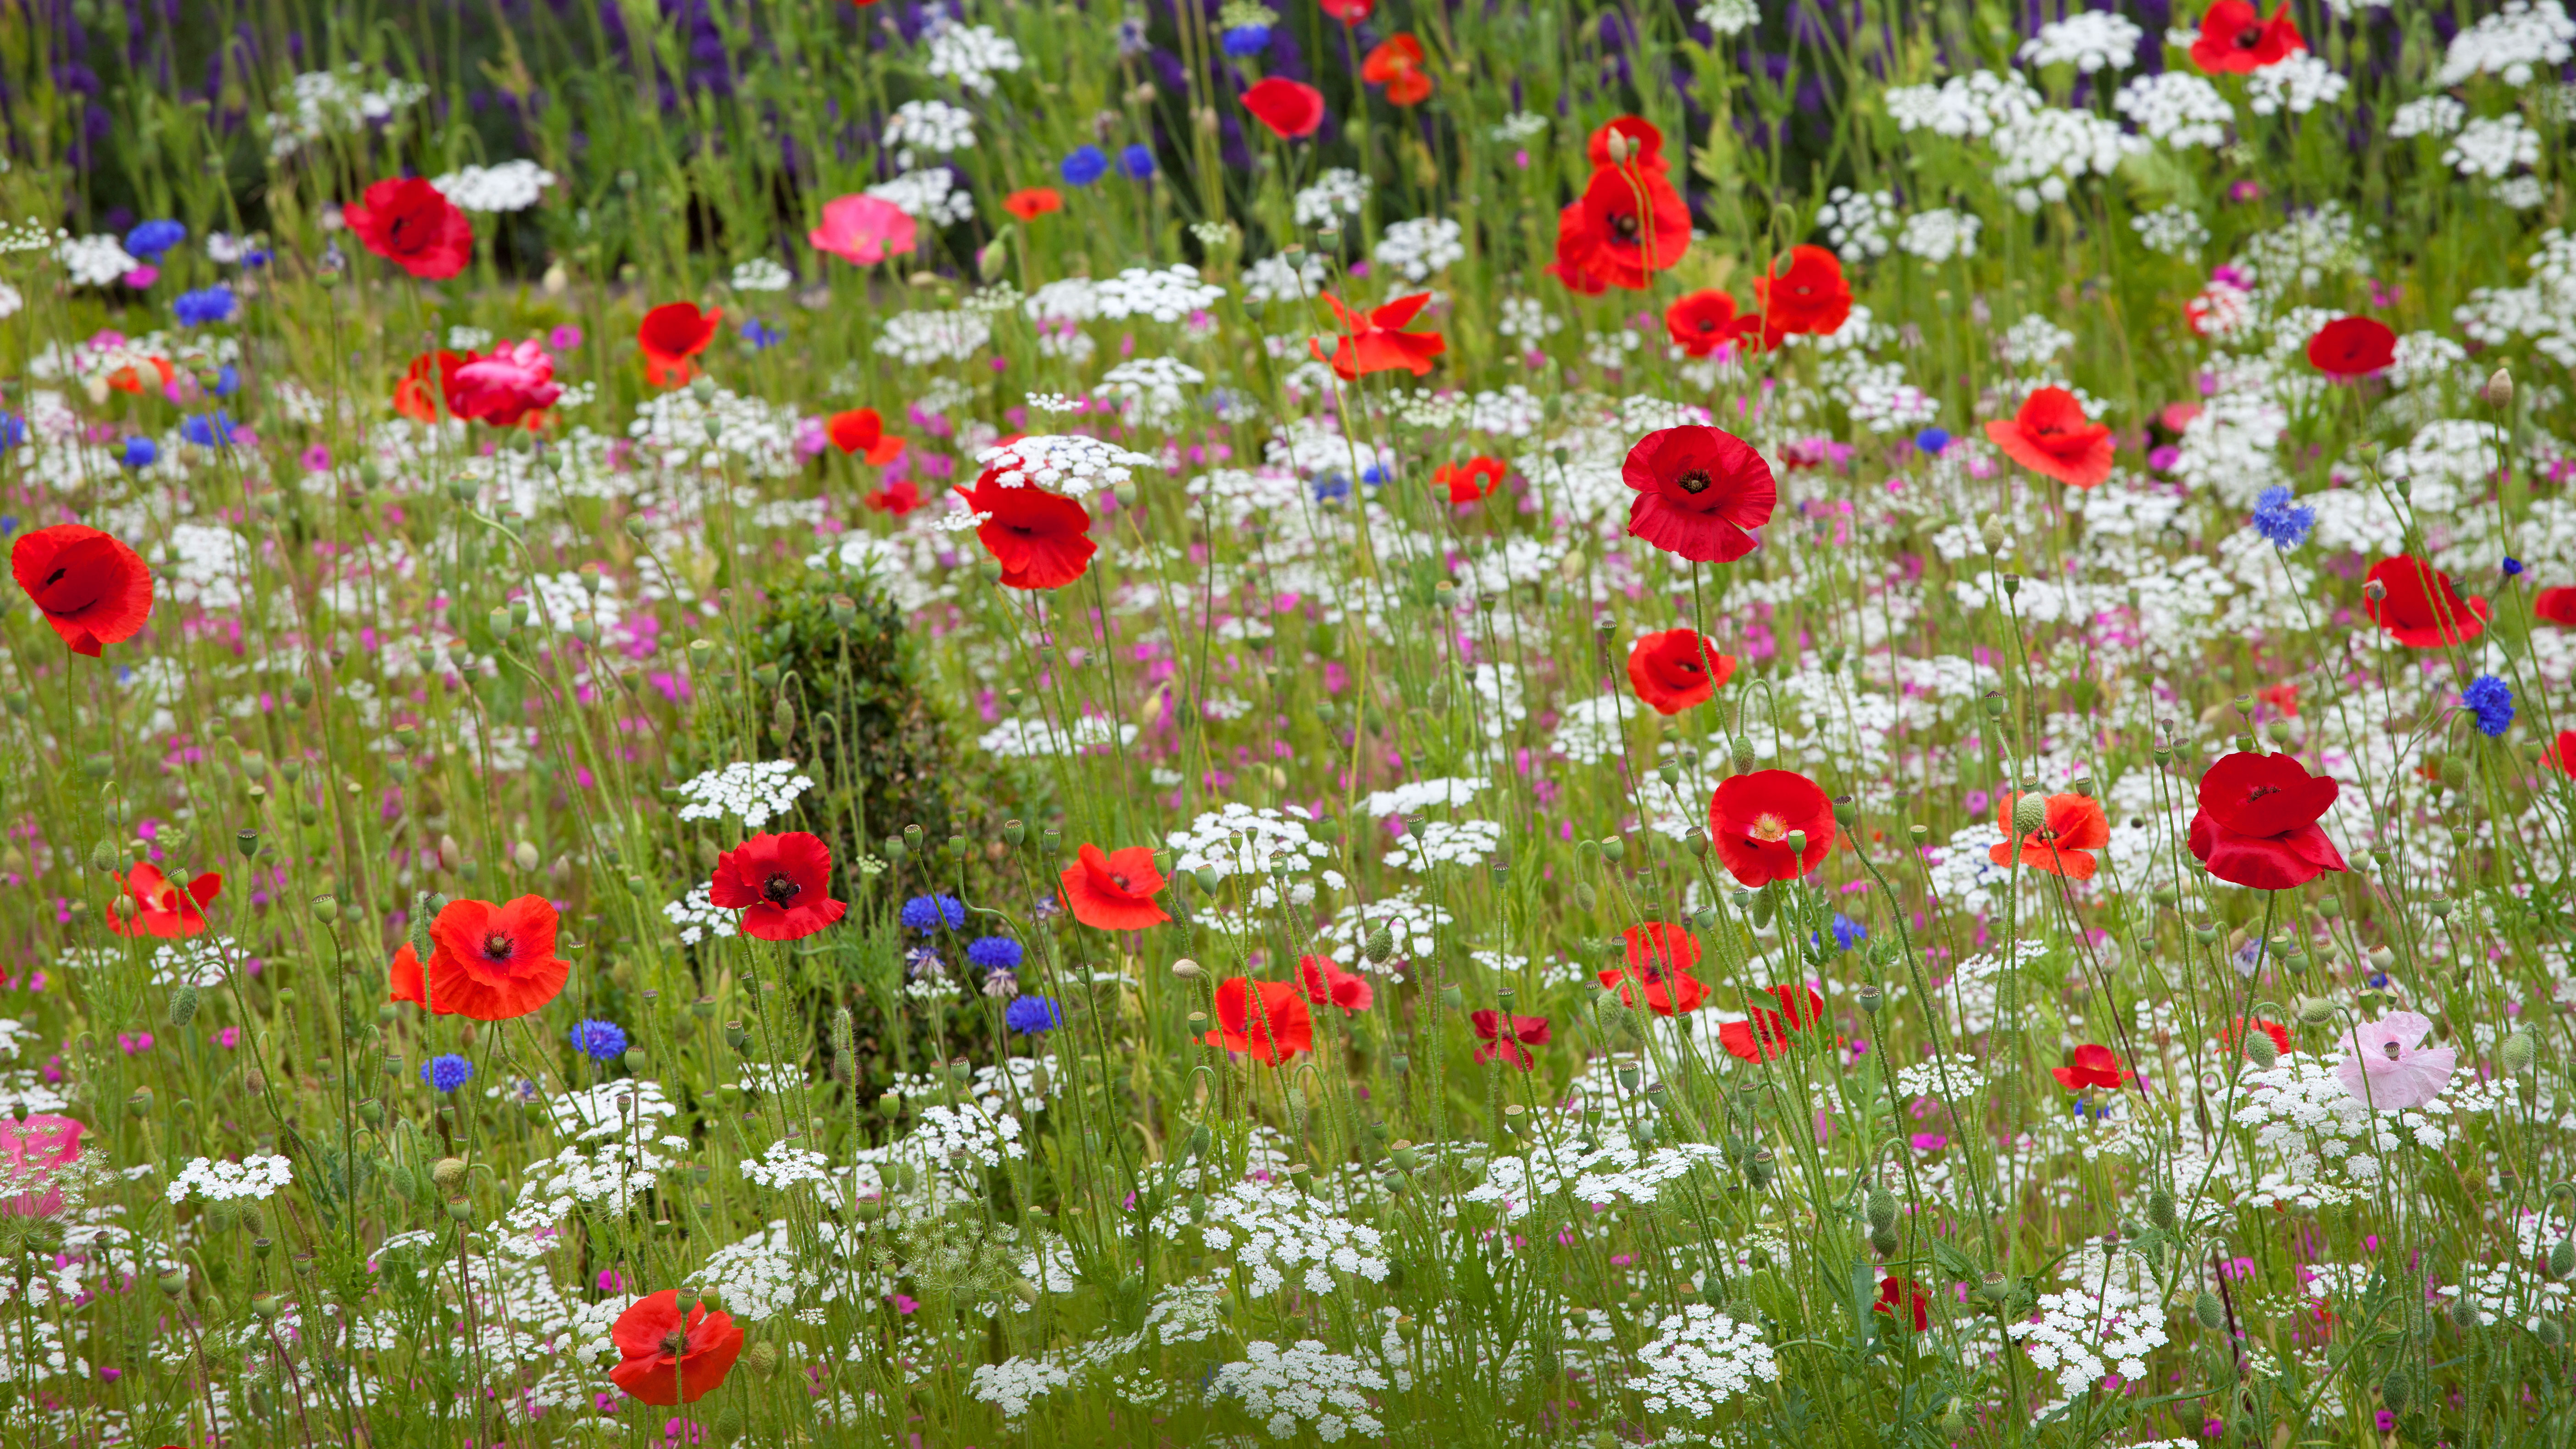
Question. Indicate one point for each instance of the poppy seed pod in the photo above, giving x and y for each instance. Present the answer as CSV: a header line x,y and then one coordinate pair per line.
x,y
1872,1000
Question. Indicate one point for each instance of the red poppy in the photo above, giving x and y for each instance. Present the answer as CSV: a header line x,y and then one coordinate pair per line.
x,y
1033,203
780,883
88,585
1764,1033
509,387
895,499
1810,298
2064,843
2350,347
665,1359
405,982
1270,1027
126,379
1628,224
671,334
1291,109
1699,490
1470,481
2257,824
1377,342
2235,39
1702,322
2229,1036
2557,605
2049,436
1660,958
161,908
493,963
1326,984
861,431
2418,607
1676,669
2560,754
1750,819
2092,1066
408,223
1114,892
426,389
1349,12
1899,1293
1041,540
1397,65
1508,1038
1645,143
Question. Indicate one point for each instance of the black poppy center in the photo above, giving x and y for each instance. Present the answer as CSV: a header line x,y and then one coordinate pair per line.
x,y
497,946
2250,37
2389,1047
1625,228
1695,482
675,1343
779,888
2259,791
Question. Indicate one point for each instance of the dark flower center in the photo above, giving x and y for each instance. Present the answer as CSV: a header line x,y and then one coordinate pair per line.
x,y
1695,482
1118,880
1625,227
497,946
780,889
2259,791
675,1343
2390,1048
2250,37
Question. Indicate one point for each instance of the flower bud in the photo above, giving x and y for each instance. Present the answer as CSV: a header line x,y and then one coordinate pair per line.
x,y
2029,813
2562,1259
2498,389
1993,533
2316,1011
1187,969
1381,945
2261,1051
2206,1308
1740,751
448,1173
2517,1052
2160,1204
183,1003
1882,1208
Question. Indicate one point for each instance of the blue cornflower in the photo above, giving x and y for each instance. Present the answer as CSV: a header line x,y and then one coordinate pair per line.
x,y
1084,166
1136,163
995,953
601,1041
208,430
139,453
928,913
1932,440
1373,475
1332,486
205,306
1848,932
761,335
2512,567
152,238
227,380
2280,519
2491,700
1032,1014
13,431
447,1073
1245,41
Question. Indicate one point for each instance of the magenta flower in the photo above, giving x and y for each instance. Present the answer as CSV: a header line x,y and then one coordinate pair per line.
x,y
2386,1069
862,230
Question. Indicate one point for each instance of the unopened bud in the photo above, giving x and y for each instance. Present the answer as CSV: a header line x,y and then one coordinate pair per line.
x,y
1381,945
183,1003
1993,533
2316,1011
1882,1208
2261,1051
2208,1310
1740,751
1187,969
2161,1210
2029,813
2517,1052
2498,391
448,1173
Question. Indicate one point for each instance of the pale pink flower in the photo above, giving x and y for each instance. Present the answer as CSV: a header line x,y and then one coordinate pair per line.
x,y
505,385
862,230
2386,1070
30,1153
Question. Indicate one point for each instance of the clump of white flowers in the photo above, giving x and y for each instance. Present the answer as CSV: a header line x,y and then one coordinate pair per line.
x,y
2088,40
510,186
212,1180
1418,247
1700,1358
971,55
1166,295
2516,43
1940,234
1068,463
755,791
2178,108
1304,1384
1856,222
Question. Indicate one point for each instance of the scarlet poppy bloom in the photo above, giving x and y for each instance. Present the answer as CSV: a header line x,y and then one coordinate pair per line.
x,y
1764,1033
1268,1026
1396,64
1508,1038
408,223
664,1358
426,389
1810,298
1349,12
1470,481
1699,490
2557,605
405,982
1326,984
780,883
1041,540
1645,143
671,334
1702,322
1114,892
2063,844
2093,1066
126,379
2235,39
2560,754
1291,109
1751,816
1676,669
2418,607
2049,436
2350,347
863,230
1896,1294
160,907
1628,224
1033,203
1660,957
1377,342
2229,1036
861,431
494,963
895,499
88,585
2257,824
510,386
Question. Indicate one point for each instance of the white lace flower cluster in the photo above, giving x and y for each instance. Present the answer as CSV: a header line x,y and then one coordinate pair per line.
x,y
2297,85
2178,108
971,55
2082,1341
760,274
1855,223
752,433
785,1165
1152,387
1336,193
699,918
510,186
212,1180
1067,463
1447,842
199,962
931,195
1243,840
1028,737
1283,279
2088,40
2492,146
2433,115
1940,234
1165,295
1700,1358
1014,1384
1278,1235
1421,247
935,127
920,339
322,103
94,261
1300,1385
1965,107
756,791
626,1111
2032,342
2052,147
2175,230
2517,43
1729,17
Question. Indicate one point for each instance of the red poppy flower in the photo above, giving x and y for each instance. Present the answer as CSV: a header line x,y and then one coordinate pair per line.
x,y
2257,824
88,585
1326,984
1033,203
2235,39
1895,1294
1702,322
665,1359
405,982
1041,540
1270,1026
1660,957
895,499
1676,669
1397,65
426,389
1349,12
780,883
2417,605
1377,342
408,223
1764,1033
160,907
2093,1066
2560,754
671,334
2063,844
509,387
2229,1036
126,379
1470,481
1645,143
1628,224
1810,298
1291,109
493,963
1699,490
1751,816
1114,892
861,431
2050,436
2350,347
2557,605
1508,1038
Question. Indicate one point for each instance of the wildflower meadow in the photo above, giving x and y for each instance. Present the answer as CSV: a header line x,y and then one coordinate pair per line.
x,y
991,724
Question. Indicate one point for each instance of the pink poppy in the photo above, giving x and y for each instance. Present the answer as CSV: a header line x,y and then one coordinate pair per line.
x,y
2387,1071
31,1152
862,230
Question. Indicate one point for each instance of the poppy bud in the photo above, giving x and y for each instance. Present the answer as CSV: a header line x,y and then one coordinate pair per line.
x,y
1885,1242
2260,1050
104,857
1762,904
762,1359
2455,771
524,855
183,1004
2464,1313
1187,969
1882,1208
2160,1205
2548,1332
255,1082
2562,1258
1740,751
2206,1308
2030,813
2498,390
448,1173
1954,1418
1992,533
2516,1052
1381,945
